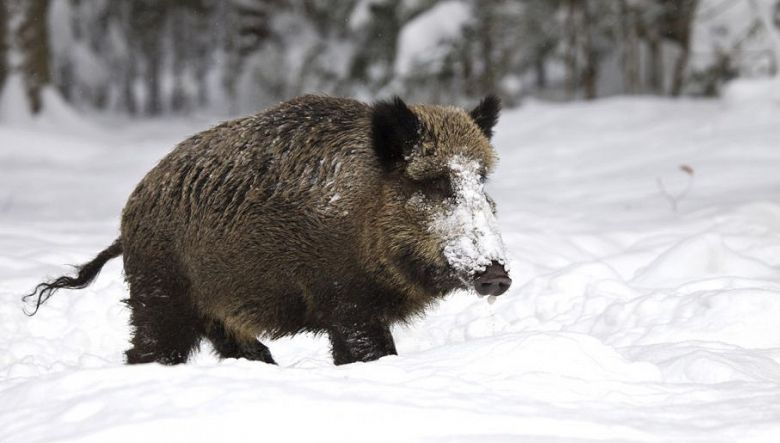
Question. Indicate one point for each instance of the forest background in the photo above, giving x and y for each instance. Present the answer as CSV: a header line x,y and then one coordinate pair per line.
x,y
151,57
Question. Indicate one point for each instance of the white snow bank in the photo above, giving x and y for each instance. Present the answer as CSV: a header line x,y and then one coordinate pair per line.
x,y
698,258
56,112
14,108
757,91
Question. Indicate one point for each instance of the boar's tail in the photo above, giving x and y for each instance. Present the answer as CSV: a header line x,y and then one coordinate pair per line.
x,y
86,273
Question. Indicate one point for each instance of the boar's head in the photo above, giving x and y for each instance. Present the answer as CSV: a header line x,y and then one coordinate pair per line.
x,y
436,227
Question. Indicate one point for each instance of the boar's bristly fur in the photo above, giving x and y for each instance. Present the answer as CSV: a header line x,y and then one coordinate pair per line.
x,y
315,215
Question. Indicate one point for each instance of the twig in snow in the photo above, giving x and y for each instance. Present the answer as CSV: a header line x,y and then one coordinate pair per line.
x,y
674,199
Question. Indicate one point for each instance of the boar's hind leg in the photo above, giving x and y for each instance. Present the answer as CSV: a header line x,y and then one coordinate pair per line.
x,y
227,345
166,325
362,342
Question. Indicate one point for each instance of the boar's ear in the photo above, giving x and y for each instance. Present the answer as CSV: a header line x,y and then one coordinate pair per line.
x,y
395,131
485,115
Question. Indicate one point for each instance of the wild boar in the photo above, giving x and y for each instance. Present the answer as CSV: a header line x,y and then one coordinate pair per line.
x,y
321,214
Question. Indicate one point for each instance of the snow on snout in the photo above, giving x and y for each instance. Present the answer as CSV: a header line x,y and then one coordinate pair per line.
x,y
469,228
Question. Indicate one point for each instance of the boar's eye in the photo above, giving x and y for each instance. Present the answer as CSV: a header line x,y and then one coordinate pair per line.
x,y
437,187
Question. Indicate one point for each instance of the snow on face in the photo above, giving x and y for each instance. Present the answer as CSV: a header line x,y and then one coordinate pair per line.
x,y
468,226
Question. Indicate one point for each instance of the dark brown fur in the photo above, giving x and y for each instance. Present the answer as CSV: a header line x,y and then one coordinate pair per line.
x,y
292,220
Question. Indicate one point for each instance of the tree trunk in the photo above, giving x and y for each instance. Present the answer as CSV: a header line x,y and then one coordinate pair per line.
x,y
128,86
181,57
3,43
467,70
541,72
655,69
684,11
147,22
33,42
678,77
153,86
630,53
488,83
572,76
590,70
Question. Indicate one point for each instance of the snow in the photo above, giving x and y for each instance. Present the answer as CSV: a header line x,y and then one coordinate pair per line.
x,y
14,106
627,320
361,14
756,92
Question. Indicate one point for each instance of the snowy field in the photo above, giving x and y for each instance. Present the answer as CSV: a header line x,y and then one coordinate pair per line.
x,y
645,243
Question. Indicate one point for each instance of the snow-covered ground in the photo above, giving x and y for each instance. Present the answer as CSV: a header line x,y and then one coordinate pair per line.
x,y
644,236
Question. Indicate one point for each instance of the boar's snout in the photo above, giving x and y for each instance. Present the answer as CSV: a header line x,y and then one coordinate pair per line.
x,y
494,281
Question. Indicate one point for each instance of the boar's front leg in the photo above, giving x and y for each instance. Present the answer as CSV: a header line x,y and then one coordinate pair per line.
x,y
360,342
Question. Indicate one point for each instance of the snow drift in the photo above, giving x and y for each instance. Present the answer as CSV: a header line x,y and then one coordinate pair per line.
x,y
628,320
